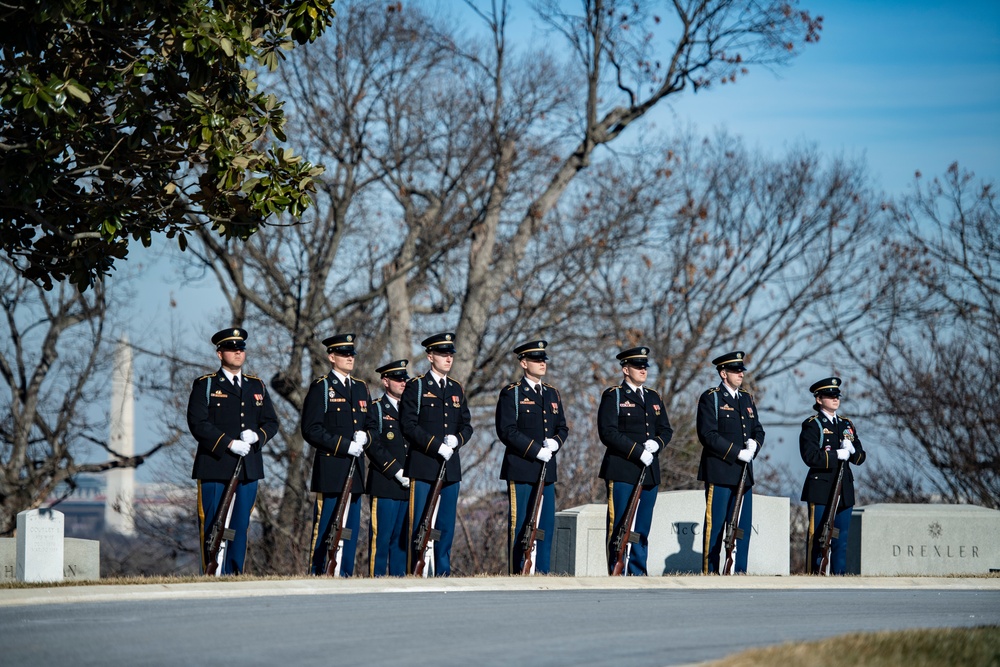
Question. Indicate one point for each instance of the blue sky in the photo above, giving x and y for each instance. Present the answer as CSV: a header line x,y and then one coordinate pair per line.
x,y
908,84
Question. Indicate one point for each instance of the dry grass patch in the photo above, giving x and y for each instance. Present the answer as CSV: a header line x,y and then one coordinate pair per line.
x,y
970,647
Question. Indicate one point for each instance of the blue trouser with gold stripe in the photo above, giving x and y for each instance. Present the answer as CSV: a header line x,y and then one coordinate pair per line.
x,y
387,538
618,497
838,545
719,503
322,523
520,497
209,498
445,522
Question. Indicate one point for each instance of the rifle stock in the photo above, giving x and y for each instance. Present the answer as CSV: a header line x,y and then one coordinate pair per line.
x,y
219,531
426,533
339,531
733,531
626,535
829,530
531,531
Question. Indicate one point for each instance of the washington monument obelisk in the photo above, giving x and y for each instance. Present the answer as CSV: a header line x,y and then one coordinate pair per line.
x,y
119,514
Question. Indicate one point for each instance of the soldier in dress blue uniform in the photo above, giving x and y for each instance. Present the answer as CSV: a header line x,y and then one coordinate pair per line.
x,y
827,439
632,423
731,435
387,486
436,422
531,423
231,416
337,421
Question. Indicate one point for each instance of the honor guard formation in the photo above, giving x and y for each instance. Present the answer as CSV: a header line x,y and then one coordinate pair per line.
x,y
413,434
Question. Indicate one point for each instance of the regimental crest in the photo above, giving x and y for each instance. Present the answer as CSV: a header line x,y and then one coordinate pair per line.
x,y
934,530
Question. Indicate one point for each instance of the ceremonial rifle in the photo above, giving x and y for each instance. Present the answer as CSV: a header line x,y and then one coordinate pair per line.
x,y
829,532
733,530
220,530
626,536
532,532
426,533
339,533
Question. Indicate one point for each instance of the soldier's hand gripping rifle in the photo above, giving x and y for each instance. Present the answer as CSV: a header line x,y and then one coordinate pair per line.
x,y
532,532
340,533
733,530
626,536
220,530
426,533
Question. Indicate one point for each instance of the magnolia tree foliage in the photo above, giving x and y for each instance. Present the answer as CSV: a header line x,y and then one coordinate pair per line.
x,y
121,119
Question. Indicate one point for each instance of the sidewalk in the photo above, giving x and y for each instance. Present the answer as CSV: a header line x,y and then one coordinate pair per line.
x,y
237,588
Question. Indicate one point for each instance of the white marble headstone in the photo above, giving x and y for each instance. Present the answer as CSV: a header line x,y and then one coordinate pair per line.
x,y
40,545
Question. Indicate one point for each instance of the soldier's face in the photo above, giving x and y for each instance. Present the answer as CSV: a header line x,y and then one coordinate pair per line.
x,y
232,360
637,376
732,378
441,362
533,368
342,363
829,403
394,387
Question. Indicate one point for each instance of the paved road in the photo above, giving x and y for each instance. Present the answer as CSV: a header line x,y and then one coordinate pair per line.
x,y
468,625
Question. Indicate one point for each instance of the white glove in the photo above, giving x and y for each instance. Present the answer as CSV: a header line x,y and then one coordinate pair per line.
x,y
239,448
451,441
445,452
652,446
355,448
361,438
544,455
745,455
551,444
843,454
249,436
646,458
752,445
848,445
403,481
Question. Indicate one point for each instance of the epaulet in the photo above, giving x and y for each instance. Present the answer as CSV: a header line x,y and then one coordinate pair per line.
x,y
319,379
511,385
846,419
548,385
208,375
359,380
415,377
747,393
451,379
712,389
610,389
810,419
250,377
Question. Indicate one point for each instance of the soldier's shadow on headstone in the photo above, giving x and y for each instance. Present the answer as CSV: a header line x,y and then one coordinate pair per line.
x,y
687,559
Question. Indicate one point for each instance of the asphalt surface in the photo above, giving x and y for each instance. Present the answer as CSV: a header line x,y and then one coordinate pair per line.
x,y
477,621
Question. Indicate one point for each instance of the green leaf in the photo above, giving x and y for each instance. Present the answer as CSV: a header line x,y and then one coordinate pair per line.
x,y
78,91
